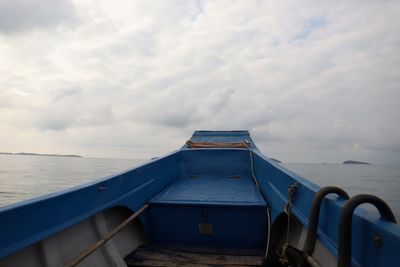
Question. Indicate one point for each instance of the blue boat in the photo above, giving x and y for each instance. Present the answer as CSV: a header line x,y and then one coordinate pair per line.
x,y
217,201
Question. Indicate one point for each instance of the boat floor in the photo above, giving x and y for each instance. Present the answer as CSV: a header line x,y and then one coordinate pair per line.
x,y
160,256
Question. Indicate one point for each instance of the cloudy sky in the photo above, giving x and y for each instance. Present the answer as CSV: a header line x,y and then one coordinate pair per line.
x,y
312,81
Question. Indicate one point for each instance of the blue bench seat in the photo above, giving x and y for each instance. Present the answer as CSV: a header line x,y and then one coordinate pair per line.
x,y
209,211
211,190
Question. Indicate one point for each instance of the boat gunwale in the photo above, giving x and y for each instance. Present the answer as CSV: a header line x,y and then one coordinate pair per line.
x,y
75,188
41,235
360,213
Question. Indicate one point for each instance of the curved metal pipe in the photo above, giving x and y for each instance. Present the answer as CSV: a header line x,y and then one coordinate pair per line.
x,y
346,217
311,239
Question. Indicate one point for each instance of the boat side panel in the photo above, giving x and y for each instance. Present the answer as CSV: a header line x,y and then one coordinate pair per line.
x,y
62,247
274,182
211,226
50,214
220,162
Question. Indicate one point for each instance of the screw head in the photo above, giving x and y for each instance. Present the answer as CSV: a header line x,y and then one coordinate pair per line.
x,y
378,240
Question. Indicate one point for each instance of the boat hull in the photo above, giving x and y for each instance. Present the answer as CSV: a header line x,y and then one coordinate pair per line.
x,y
208,197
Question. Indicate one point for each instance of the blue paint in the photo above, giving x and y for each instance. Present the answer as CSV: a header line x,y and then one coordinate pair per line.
x,y
184,184
234,227
52,213
274,182
216,182
206,190
222,162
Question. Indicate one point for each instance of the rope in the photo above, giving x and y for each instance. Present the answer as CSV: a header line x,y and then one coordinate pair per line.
x,y
288,209
247,145
244,144
191,144
269,234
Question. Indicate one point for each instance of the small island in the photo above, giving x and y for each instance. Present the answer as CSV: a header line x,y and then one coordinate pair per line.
x,y
37,154
355,162
276,160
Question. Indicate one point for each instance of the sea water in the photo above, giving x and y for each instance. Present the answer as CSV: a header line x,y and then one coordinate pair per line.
x,y
380,180
25,177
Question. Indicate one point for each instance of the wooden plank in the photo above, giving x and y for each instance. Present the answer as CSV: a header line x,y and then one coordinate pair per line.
x,y
163,257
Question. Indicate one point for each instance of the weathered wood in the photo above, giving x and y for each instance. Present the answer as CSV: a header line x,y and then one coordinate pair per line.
x,y
145,256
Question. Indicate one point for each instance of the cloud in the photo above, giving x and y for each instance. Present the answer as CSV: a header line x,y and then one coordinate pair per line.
x,y
312,82
25,15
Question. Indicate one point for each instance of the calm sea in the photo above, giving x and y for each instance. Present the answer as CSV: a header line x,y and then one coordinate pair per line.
x,y
24,177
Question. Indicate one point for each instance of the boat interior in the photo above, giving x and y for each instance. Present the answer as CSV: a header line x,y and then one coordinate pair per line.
x,y
198,206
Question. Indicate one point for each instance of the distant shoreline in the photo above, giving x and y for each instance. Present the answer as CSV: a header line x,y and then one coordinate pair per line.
x,y
355,162
38,154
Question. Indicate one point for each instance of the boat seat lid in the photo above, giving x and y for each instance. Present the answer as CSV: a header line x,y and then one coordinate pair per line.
x,y
232,190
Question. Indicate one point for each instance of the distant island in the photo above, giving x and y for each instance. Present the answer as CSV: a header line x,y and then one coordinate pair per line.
x,y
276,160
36,154
355,162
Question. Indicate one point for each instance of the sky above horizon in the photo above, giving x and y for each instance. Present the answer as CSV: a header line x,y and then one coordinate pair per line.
x,y
313,81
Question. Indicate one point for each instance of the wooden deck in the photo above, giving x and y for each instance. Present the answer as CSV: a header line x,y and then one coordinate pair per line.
x,y
151,256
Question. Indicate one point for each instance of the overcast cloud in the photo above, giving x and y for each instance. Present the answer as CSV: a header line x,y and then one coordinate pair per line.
x,y
314,81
